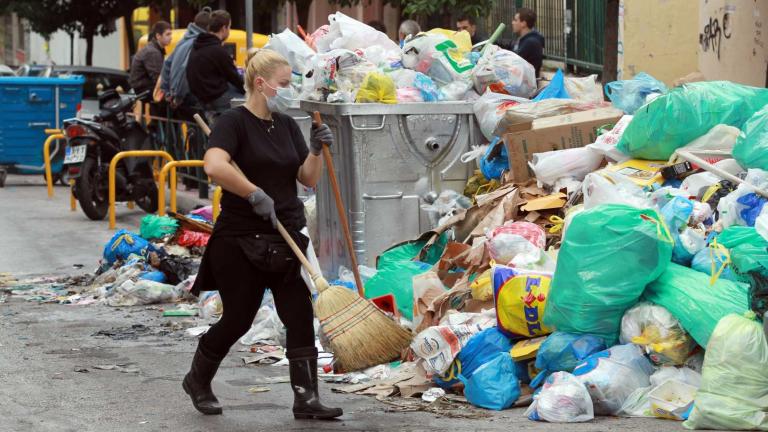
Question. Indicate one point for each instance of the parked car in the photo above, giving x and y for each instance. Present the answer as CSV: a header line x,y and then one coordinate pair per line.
x,y
6,71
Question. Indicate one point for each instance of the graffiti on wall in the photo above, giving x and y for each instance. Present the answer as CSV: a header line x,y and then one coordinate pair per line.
x,y
713,33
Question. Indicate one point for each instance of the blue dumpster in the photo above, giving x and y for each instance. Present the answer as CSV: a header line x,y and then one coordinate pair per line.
x,y
29,106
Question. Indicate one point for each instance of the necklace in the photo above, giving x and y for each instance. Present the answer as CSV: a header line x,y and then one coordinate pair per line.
x,y
267,124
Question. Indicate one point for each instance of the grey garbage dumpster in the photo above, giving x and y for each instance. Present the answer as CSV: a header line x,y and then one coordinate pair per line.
x,y
385,157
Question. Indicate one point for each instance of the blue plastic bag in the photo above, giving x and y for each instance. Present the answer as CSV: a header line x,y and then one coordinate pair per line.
x,y
676,214
629,95
493,385
563,352
704,259
480,348
753,205
555,89
123,244
427,87
155,276
493,168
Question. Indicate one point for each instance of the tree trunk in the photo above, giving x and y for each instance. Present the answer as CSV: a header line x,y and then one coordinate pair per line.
x,y
89,48
302,12
611,49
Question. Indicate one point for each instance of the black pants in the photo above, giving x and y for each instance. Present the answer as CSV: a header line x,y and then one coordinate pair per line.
x,y
241,287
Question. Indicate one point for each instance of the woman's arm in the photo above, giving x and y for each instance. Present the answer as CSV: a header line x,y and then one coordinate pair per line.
x,y
220,170
310,172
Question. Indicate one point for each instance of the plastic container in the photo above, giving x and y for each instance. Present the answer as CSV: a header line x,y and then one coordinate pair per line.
x,y
672,400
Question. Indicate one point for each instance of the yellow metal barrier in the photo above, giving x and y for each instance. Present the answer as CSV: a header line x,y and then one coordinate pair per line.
x,y
113,172
53,134
216,202
72,200
171,166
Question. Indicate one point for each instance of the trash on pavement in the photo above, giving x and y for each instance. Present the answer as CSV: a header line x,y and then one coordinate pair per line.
x,y
564,351
562,399
734,384
192,238
156,227
479,349
143,292
493,385
520,298
672,400
124,244
658,332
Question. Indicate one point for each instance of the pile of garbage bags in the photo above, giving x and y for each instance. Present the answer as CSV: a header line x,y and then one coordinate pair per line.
x,y
627,277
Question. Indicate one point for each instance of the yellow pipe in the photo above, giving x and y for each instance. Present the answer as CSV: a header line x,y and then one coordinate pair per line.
x,y
216,202
171,166
113,173
47,159
72,200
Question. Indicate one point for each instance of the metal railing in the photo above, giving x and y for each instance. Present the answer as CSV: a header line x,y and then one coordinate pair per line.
x,y
113,174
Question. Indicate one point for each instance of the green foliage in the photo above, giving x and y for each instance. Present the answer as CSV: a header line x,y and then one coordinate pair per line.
x,y
425,8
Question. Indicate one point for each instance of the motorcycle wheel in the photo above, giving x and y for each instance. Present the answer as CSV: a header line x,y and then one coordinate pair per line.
x,y
148,202
94,204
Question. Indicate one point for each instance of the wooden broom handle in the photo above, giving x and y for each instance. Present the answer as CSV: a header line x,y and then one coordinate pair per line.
x,y
340,208
280,228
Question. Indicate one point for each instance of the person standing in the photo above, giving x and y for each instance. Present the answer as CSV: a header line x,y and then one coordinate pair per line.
x,y
211,72
530,43
245,253
148,62
469,24
408,28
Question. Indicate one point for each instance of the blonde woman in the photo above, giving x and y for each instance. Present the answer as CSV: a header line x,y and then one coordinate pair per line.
x,y
245,254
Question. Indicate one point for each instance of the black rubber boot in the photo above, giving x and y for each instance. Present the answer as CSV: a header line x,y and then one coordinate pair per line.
x,y
197,383
306,401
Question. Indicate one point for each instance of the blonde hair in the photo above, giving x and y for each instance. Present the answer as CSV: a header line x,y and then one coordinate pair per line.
x,y
263,63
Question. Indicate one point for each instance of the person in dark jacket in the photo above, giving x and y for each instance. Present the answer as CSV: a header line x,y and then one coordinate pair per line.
x,y
530,43
148,62
174,76
211,72
468,23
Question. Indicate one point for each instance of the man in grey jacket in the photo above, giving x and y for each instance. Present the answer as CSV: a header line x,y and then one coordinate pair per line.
x,y
174,76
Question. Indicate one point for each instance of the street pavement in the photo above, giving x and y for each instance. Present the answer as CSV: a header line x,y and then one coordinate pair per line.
x,y
57,373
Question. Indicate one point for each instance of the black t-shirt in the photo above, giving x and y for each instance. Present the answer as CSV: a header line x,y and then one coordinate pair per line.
x,y
270,159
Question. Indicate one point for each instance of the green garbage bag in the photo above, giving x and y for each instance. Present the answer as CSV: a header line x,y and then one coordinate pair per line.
x,y
734,379
675,119
610,253
751,149
748,250
687,294
155,227
396,268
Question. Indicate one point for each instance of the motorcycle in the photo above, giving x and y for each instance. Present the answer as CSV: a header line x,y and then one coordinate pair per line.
x,y
91,145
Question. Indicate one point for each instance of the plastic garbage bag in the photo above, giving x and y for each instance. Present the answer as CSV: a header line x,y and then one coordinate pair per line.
x,y
456,91
210,304
607,187
564,351
586,89
493,167
494,385
555,89
205,212
638,404
686,113
155,227
193,238
563,399
716,262
295,50
610,254
125,243
698,305
576,162
436,56
439,345
747,248
520,297
612,375
511,239
721,137
629,95
267,327
347,33
378,88
480,349
177,268
155,276
605,143
676,213
490,108
142,292
734,385
658,332
682,374
482,286
751,149
503,71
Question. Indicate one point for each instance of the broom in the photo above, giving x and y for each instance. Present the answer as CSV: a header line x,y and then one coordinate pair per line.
x,y
360,334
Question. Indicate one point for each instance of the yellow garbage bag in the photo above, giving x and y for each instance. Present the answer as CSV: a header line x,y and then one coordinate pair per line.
x,y
482,288
462,39
377,87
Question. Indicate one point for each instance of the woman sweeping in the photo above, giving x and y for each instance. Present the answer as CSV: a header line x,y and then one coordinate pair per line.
x,y
245,254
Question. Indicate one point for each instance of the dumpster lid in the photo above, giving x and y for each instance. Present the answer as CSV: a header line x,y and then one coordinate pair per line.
x,y
454,107
71,79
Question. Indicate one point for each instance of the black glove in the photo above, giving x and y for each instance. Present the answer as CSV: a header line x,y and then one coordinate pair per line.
x,y
318,137
263,206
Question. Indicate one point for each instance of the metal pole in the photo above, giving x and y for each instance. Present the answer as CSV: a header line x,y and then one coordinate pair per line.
x,y
249,24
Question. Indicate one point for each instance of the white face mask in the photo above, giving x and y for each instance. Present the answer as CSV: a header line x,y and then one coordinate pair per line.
x,y
284,99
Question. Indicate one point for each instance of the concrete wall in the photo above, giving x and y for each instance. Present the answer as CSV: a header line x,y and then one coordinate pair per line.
x,y
660,37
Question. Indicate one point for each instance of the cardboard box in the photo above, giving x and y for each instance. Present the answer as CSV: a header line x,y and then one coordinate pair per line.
x,y
554,133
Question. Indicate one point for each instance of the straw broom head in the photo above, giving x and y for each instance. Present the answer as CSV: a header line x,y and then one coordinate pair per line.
x,y
360,334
